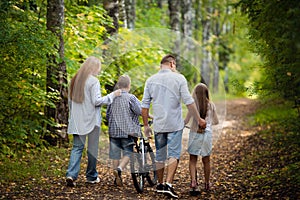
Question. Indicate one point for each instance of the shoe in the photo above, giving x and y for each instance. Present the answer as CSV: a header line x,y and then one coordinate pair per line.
x,y
97,180
118,177
70,182
206,186
170,191
160,188
194,190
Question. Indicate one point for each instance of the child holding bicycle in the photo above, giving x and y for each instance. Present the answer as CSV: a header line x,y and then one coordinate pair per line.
x,y
123,125
200,140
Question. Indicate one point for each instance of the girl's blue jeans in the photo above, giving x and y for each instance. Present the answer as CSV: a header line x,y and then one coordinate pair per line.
x,y
92,152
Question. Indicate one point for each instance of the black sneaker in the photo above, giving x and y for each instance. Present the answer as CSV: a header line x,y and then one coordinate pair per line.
x,y
160,188
70,182
118,177
170,191
194,191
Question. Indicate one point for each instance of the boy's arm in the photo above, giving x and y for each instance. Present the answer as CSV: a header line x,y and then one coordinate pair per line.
x,y
135,105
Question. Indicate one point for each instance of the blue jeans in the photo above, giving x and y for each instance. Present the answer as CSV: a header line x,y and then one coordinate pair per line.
x,y
76,154
168,145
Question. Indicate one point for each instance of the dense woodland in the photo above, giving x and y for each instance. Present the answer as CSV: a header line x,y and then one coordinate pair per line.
x,y
247,47
239,48
43,43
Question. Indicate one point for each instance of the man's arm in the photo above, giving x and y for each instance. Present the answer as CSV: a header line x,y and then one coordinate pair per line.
x,y
145,116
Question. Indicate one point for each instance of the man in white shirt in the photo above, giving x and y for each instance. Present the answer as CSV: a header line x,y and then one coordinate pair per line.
x,y
165,90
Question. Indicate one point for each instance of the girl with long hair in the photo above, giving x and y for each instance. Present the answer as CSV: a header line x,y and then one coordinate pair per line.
x,y
200,140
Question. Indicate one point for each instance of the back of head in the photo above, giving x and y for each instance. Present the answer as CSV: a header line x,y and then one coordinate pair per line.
x,y
123,82
201,97
167,59
201,91
91,66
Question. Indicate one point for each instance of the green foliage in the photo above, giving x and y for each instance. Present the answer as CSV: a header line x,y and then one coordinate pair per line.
x,y
148,15
274,28
24,46
84,34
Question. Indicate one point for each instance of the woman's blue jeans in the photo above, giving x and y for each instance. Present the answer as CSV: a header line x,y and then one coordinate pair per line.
x,y
92,152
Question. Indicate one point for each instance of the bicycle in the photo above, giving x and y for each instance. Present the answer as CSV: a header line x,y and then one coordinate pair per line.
x,y
142,163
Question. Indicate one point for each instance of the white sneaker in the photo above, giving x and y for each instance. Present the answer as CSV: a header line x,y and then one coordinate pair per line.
x,y
97,180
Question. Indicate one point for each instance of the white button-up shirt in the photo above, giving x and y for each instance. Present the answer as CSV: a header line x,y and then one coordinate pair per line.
x,y
83,117
166,90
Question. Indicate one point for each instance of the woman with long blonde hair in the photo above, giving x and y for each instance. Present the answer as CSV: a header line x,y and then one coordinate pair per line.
x,y
85,101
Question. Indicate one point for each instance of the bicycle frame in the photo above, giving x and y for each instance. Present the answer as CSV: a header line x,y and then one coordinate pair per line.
x,y
143,164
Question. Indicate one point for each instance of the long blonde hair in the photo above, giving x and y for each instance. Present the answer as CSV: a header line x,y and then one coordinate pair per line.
x,y
201,97
90,66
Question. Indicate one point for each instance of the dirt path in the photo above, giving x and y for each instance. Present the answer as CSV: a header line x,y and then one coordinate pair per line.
x,y
229,138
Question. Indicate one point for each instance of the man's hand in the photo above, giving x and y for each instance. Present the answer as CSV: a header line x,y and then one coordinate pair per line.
x,y
147,131
202,123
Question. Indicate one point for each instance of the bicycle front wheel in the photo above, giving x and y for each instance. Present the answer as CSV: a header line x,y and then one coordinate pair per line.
x,y
150,166
137,175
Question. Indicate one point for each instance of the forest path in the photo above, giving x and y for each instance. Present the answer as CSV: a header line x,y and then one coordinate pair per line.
x,y
230,138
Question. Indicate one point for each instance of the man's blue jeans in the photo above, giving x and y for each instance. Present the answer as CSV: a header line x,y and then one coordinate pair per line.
x,y
76,154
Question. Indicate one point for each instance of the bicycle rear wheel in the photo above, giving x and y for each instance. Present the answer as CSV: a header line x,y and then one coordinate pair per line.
x,y
150,166
137,172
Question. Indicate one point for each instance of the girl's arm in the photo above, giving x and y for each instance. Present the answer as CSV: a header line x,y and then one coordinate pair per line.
x,y
187,118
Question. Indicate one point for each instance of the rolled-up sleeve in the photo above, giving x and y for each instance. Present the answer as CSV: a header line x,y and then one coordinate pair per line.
x,y
185,94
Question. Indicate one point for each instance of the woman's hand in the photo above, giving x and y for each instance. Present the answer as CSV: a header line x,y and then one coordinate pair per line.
x,y
117,93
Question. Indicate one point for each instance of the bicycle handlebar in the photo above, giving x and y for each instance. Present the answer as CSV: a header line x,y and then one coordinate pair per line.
x,y
150,122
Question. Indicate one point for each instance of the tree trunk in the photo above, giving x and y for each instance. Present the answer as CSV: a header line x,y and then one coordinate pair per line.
x,y
159,3
122,13
217,33
224,57
57,74
130,13
174,9
205,67
187,30
197,55
112,8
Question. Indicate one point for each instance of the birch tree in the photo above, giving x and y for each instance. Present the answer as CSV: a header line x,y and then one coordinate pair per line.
x,y
112,8
174,12
122,13
130,13
57,74
187,29
206,32
217,32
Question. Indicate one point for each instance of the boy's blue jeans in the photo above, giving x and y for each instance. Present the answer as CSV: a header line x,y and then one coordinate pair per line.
x,y
76,154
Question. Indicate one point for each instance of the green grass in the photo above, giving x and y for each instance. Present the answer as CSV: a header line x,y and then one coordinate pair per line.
x,y
35,165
